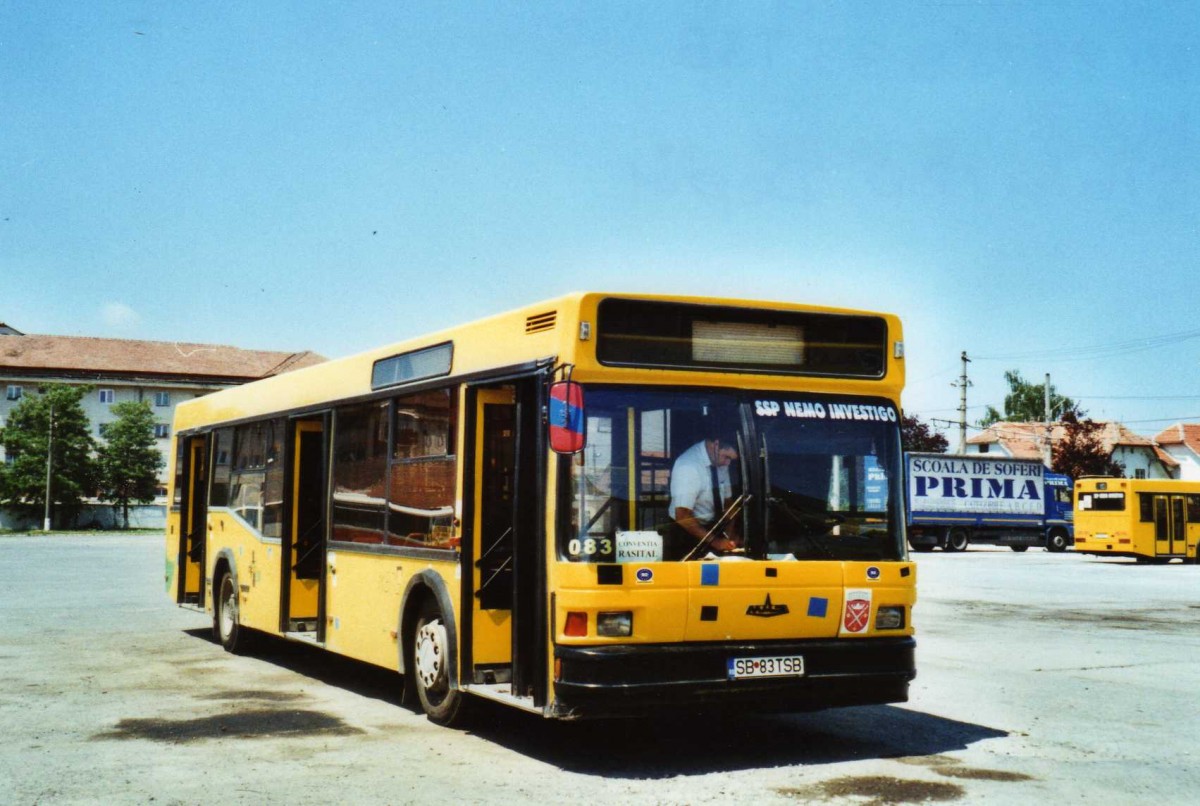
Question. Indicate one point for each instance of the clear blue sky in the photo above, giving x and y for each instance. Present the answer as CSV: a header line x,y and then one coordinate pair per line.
x,y
1017,180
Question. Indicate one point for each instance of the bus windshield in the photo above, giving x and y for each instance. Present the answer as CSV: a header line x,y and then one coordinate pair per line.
x,y
798,477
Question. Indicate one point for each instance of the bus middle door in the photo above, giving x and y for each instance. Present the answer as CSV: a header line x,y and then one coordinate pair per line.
x,y
1179,525
302,592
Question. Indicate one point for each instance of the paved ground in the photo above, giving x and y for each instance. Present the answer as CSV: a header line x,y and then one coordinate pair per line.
x,y
1042,677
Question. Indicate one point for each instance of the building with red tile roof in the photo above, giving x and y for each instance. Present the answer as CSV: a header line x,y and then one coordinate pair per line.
x,y
118,370
1182,442
1141,456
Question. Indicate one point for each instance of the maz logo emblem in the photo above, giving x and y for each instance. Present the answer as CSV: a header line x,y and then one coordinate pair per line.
x,y
766,609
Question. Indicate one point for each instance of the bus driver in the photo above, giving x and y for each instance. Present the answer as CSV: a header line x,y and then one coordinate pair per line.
x,y
699,477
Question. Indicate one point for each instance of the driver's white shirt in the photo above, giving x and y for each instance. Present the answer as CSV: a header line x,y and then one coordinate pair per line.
x,y
691,483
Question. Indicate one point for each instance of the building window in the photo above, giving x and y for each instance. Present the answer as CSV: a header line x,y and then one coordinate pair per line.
x,y
102,429
162,399
14,393
107,396
1139,473
162,430
984,447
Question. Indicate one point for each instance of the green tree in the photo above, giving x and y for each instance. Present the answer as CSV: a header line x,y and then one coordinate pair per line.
x,y
55,417
918,436
128,460
1081,451
1026,403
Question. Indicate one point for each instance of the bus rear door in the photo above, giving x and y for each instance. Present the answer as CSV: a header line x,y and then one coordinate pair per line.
x,y
193,520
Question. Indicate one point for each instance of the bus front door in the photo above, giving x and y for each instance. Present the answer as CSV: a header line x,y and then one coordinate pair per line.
x,y
494,481
303,555
193,522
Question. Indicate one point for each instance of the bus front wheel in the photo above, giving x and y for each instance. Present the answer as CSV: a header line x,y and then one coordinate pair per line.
x,y
957,540
430,666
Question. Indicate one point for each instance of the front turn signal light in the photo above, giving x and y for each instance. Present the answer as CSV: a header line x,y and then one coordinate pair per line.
x,y
576,625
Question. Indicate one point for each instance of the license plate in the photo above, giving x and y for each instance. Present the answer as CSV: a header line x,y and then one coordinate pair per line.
x,y
779,666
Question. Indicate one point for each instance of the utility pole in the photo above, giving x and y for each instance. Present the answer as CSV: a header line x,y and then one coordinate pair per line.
x,y
962,385
49,466
1047,453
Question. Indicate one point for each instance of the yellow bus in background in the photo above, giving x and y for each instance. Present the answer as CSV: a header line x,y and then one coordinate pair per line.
x,y
487,510
1152,520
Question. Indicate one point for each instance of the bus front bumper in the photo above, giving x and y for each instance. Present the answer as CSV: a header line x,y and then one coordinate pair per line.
x,y
632,679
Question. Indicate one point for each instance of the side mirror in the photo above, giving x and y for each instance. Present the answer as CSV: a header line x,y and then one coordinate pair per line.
x,y
566,417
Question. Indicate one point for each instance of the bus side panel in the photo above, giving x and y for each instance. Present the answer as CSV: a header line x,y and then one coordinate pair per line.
x,y
171,551
363,602
257,570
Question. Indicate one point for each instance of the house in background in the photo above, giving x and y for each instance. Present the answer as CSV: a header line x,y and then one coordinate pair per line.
x,y
1182,442
119,370
1141,456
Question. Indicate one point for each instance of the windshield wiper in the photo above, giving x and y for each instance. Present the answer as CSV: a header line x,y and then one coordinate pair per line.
x,y
729,514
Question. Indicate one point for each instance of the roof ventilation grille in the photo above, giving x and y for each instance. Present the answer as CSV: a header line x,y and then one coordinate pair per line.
x,y
540,321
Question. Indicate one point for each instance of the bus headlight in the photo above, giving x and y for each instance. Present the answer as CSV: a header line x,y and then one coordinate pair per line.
x,y
889,617
614,625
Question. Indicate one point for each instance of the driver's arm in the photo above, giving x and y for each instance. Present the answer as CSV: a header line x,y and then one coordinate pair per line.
x,y
687,519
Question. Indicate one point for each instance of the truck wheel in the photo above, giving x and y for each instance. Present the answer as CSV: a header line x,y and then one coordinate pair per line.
x,y
1018,548
957,540
1056,540
431,669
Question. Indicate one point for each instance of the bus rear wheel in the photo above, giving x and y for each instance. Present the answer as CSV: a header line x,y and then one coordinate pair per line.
x,y
227,627
957,540
430,667
1019,548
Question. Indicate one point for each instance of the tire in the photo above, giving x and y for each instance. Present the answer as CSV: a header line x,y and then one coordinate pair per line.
x,y
922,547
430,667
1056,541
1019,548
227,628
957,539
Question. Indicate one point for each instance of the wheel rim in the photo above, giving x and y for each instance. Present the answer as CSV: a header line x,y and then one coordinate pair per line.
x,y
228,608
430,656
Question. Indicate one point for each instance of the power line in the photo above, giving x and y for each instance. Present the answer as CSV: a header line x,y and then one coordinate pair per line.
x,y
1096,351
1139,397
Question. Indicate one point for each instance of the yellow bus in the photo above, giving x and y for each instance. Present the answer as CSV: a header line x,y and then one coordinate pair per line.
x,y
1152,520
514,509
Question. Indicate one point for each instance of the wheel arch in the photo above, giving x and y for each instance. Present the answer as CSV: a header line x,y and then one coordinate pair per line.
x,y
422,586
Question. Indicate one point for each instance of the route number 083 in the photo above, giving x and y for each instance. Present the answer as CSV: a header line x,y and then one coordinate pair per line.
x,y
590,546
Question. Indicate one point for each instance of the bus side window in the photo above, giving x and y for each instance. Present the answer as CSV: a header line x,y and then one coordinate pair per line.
x,y
1146,507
